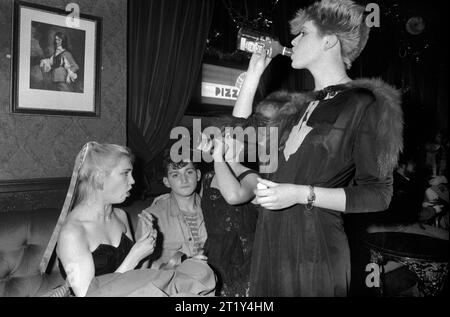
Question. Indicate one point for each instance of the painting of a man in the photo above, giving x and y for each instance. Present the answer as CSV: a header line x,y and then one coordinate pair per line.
x,y
57,66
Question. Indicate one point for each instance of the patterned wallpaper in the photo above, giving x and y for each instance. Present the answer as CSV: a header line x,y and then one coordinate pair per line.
x,y
37,146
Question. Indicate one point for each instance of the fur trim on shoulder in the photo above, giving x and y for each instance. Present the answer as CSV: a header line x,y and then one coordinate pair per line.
x,y
389,138
282,109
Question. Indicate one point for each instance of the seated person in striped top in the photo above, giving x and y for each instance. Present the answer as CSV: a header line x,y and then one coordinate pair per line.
x,y
178,216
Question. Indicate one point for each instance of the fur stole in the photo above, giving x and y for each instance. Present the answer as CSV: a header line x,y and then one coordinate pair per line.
x,y
283,109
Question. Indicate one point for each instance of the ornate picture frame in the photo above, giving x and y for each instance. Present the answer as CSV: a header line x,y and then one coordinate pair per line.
x,y
56,62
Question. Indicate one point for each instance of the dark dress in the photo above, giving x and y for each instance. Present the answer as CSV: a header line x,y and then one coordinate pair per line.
x,y
108,258
230,238
305,253
190,278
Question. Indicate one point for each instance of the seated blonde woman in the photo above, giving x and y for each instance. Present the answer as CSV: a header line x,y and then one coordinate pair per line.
x,y
95,247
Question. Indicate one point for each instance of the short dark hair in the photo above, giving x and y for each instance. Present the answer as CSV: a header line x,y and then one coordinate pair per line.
x,y
168,162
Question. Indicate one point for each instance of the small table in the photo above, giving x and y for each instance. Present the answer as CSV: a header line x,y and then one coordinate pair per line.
x,y
425,256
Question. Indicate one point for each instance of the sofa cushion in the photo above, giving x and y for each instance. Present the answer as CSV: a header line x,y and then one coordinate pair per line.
x,y
24,235
23,238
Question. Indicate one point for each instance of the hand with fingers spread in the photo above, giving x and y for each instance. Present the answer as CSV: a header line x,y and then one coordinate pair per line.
x,y
233,149
204,143
276,196
219,149
227,149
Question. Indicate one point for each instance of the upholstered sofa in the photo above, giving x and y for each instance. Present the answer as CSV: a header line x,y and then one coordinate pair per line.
x,y
23,238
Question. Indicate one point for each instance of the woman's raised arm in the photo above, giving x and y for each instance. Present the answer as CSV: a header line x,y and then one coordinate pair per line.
x,y
244,103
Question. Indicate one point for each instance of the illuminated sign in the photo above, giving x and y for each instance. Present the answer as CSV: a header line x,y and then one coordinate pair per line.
x,y
220,85
213,90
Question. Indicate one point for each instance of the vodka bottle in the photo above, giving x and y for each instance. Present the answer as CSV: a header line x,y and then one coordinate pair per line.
x,y
255,42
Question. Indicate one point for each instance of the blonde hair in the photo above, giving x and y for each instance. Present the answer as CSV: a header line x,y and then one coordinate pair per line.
x,y
98,158
343,18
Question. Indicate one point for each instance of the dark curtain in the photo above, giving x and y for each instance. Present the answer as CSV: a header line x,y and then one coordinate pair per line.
x,y
166,43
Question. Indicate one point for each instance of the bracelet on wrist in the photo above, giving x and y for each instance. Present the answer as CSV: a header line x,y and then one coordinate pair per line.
x,y
311,199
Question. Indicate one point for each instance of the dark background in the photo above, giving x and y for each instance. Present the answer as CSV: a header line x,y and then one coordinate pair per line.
x,y
416,64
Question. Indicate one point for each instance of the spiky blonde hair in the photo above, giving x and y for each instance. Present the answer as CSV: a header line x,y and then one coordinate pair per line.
x,y
343,18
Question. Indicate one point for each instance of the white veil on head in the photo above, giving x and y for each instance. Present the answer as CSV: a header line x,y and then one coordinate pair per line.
x,y
67,207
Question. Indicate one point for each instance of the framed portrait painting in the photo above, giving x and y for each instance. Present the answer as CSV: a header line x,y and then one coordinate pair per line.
x,y
56,61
